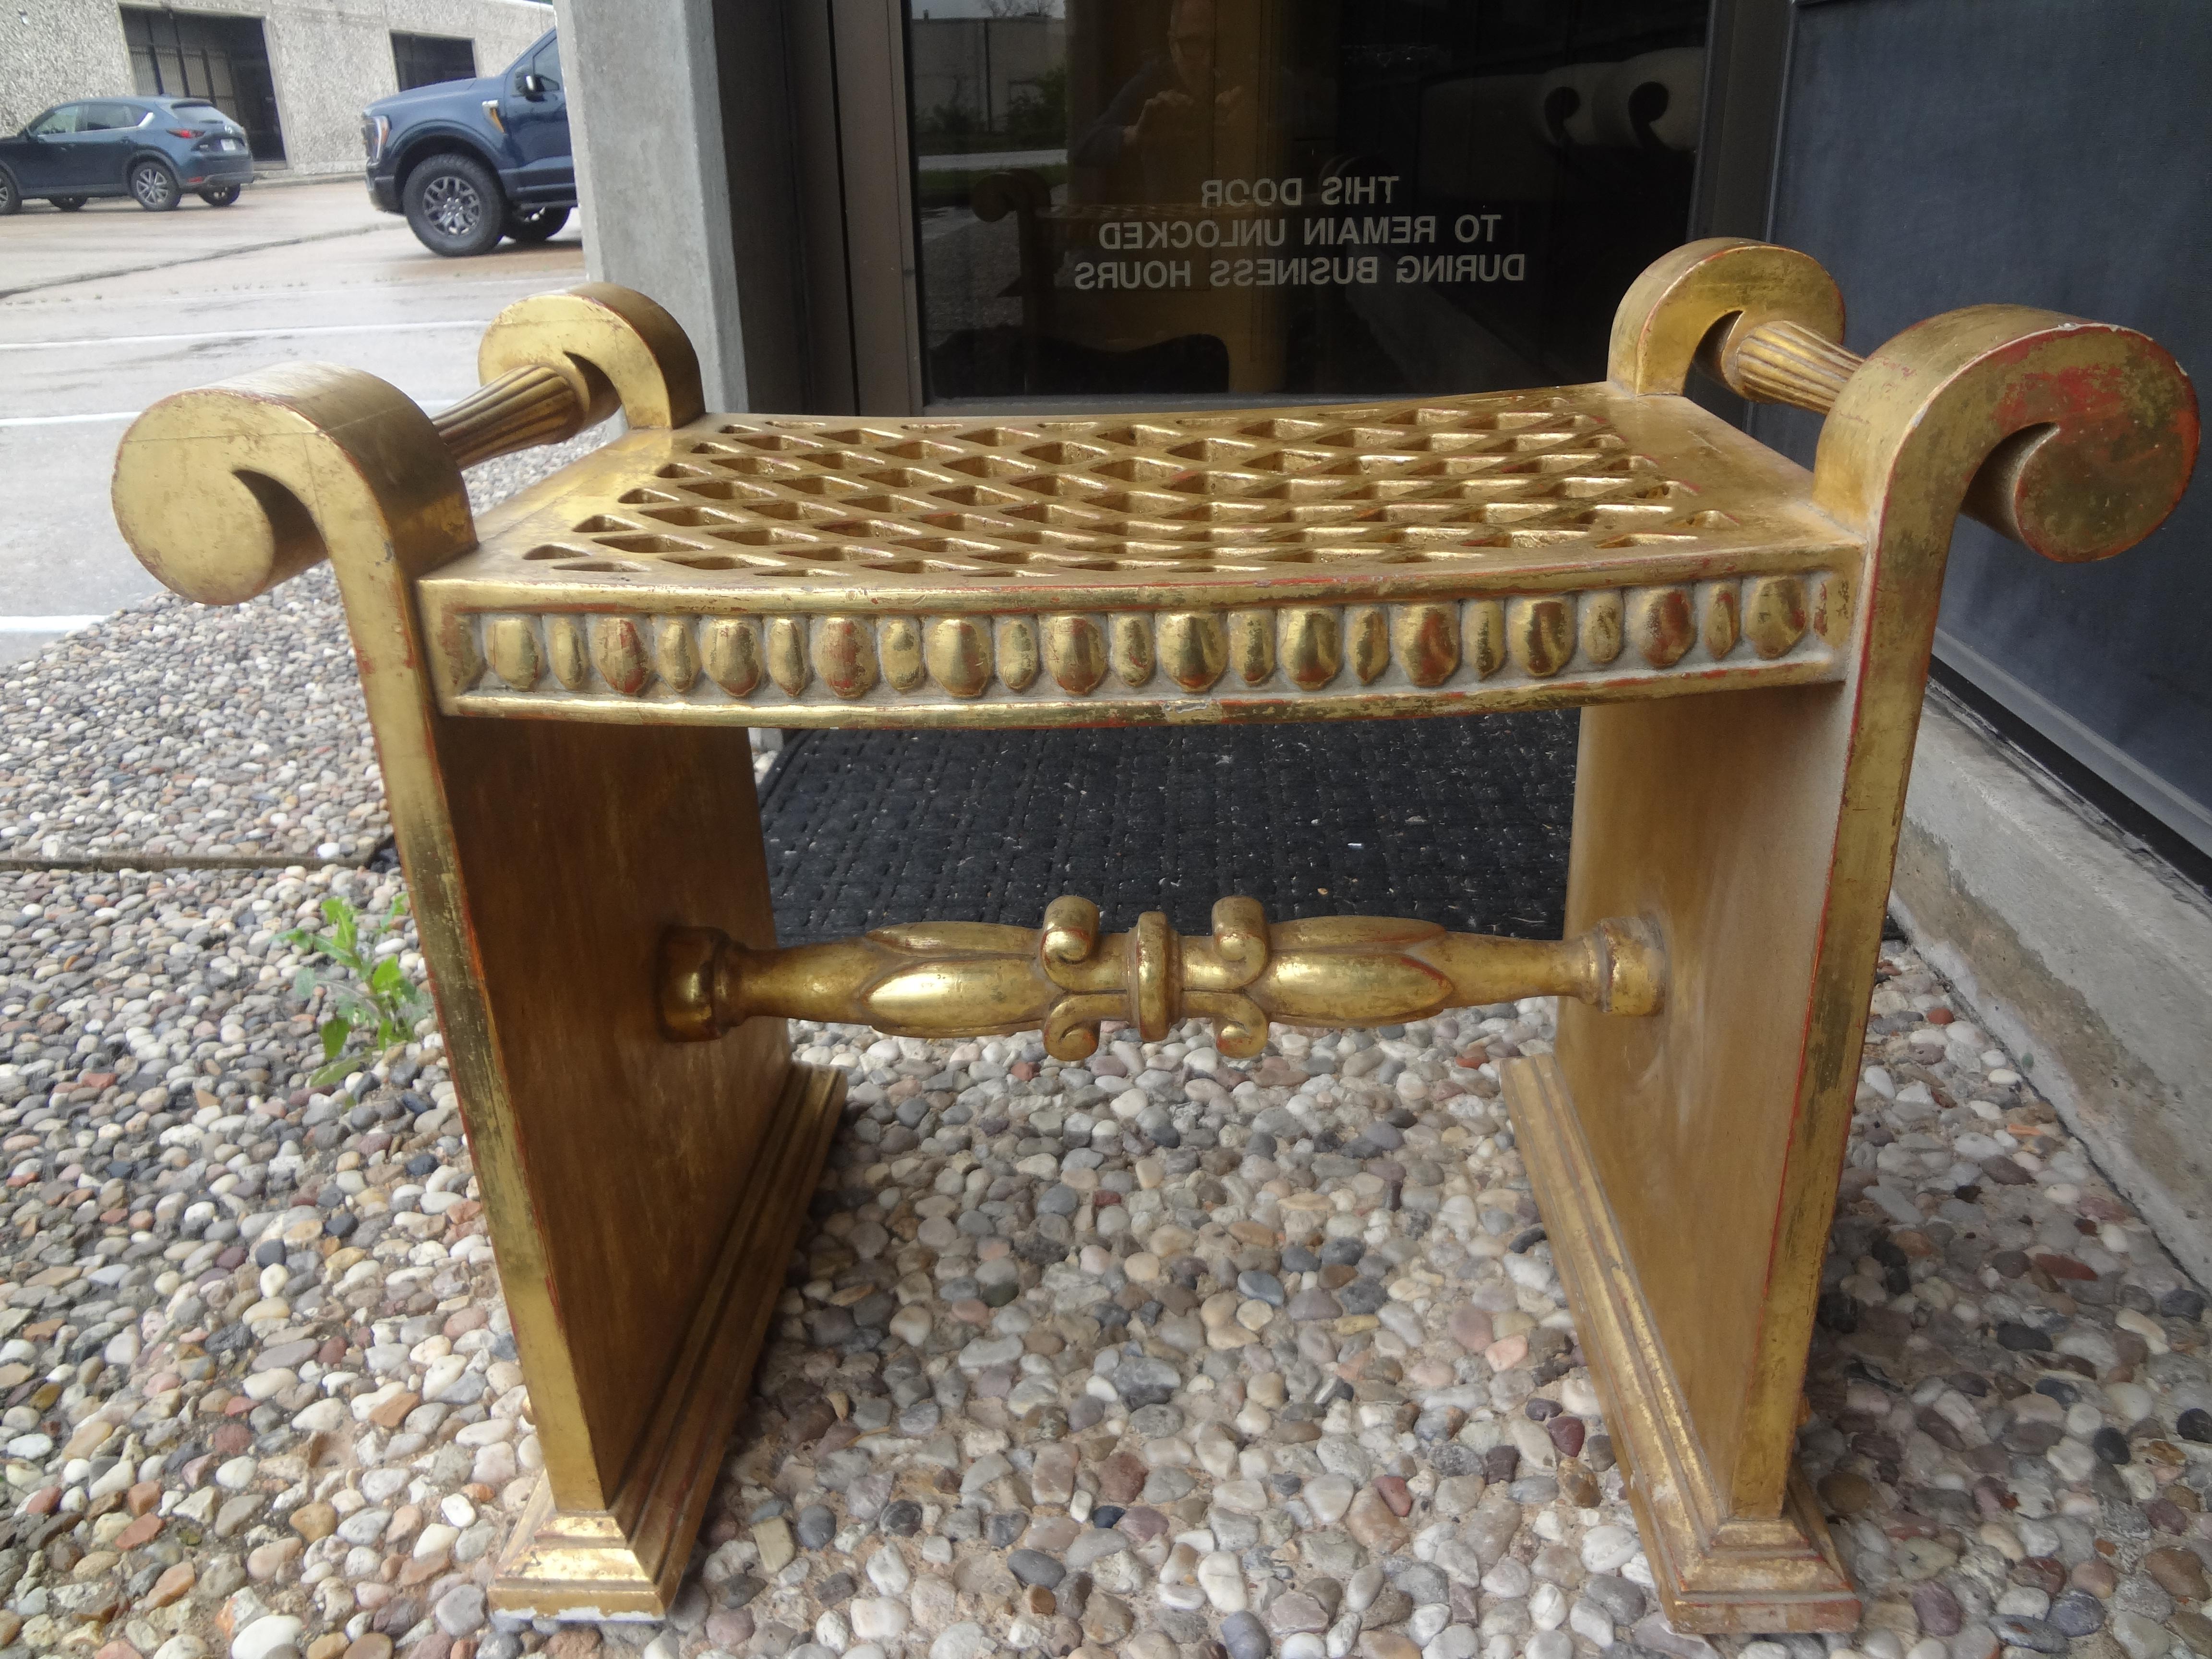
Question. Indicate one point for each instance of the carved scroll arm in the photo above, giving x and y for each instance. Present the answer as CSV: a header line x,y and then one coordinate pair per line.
x,y
206,488
966,979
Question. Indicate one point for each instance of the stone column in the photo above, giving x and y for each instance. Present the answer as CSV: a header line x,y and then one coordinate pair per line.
x,y
644,113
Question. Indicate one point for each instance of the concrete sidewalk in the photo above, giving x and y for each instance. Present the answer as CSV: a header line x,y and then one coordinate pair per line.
x,y
48,248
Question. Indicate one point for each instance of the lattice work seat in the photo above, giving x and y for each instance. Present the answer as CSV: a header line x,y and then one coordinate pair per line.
x,y
559,697
1503,551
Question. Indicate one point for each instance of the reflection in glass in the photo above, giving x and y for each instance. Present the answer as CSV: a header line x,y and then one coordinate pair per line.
x,y
1292,197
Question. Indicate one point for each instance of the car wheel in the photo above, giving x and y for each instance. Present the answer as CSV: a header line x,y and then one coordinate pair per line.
x,y
154,184
535,224
454,206
69,203
11,199
222,196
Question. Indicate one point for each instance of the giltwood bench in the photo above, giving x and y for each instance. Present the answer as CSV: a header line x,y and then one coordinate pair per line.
x,y
560,694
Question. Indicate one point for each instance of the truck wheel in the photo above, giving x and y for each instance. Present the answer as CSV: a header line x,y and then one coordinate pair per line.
x,y
11,199
535,224
154,183
68,204
221,195
454,206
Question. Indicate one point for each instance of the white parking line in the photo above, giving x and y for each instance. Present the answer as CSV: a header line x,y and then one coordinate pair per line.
x,y
243,334
46,624
68,420
429,406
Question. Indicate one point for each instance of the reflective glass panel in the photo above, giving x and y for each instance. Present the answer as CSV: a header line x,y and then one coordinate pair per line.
x,y
1316,198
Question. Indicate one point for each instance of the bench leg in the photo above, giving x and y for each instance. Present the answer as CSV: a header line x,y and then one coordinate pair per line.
x,y
1686,1164
643,1194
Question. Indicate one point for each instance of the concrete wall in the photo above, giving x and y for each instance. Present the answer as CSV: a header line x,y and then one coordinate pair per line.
x,y
52,50
330,58
2078,948
655,192
327,57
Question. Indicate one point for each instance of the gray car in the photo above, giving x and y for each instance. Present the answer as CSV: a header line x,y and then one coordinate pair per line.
x,y
151,150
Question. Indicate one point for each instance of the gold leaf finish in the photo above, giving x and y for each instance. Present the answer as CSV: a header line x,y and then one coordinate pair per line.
x,y
1193,648
1774,615
845,655
675,658
1075,651
899,644
1252,645
1016,643
540,404
1541,634
1831,610
1602,623
1311,653
961,979
732,655
958,651
1154,976
1426,638
1785,362
786,654
1483,628
619,654
1133,649
1565,652
565,648
1663,623
1262,587
511,648
1723,624
1370,642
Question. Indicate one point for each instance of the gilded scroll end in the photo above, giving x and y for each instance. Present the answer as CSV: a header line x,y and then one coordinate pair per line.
x,y
1070,934
1240,942
1071,1029
1240,1025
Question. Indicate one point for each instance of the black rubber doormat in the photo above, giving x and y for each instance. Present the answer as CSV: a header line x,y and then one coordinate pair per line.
x,y
1460,822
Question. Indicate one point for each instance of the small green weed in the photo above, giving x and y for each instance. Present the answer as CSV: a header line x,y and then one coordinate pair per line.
x,y
373,1003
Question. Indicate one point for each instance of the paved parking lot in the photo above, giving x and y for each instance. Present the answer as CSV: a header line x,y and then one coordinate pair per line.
x,y
104,310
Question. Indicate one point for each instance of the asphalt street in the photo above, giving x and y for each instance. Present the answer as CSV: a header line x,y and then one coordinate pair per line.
x,y
106,310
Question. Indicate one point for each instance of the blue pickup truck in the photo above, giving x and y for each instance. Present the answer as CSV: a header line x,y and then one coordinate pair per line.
x,y
471,161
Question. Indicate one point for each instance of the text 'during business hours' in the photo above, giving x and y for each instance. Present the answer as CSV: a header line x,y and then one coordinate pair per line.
x,y
1302,271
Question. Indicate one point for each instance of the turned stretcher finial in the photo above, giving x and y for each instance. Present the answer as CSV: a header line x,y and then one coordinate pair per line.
x,y
961,979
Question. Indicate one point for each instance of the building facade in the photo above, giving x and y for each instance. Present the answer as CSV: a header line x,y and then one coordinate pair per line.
x,y
294,73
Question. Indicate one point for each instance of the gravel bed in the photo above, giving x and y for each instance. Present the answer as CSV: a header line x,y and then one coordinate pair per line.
x,y
1138,1357
175,729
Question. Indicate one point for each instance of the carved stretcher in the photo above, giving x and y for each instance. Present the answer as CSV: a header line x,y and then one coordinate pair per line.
x,y
560,695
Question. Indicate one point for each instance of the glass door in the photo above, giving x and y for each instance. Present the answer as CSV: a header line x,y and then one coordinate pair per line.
x,y
1271,200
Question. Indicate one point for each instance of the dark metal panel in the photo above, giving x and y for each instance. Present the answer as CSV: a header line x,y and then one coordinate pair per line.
x,y
767,242
1944,152
821,182
870,41
1747,50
